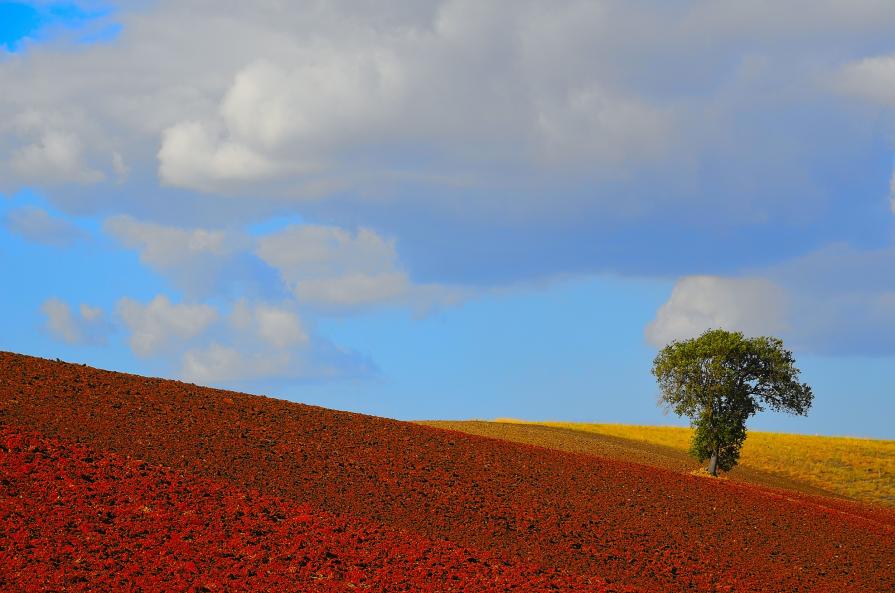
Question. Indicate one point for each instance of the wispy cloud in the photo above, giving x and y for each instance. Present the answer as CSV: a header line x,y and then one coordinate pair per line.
x,y
38,225
87,325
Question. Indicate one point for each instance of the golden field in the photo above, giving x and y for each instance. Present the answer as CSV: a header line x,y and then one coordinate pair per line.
x,y
863,469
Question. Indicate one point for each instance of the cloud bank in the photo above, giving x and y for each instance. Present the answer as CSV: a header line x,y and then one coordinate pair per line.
x,y
428,152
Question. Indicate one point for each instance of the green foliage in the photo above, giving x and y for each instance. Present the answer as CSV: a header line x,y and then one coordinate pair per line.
x,y
728,438
720,379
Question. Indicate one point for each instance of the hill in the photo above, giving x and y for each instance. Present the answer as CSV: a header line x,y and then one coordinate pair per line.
x,y
861,469
76,519
539,513
592,442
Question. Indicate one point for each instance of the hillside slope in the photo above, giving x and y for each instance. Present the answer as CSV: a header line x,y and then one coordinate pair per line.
x,y
579,514
81,520
593,442
863,469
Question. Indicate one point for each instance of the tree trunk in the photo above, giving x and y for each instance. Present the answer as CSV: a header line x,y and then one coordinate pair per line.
x,y
713,463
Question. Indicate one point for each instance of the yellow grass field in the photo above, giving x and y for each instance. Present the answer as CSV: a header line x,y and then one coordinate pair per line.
x,y
863,469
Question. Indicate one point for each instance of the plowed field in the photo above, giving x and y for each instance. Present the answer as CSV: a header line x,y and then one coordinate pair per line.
x,y
412,502
614,447
856,468
75,519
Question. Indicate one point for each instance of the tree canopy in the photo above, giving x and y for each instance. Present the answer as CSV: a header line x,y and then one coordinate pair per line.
x,y
722,378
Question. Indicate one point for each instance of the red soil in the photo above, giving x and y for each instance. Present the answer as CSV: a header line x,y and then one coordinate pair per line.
x,y
578,514
75,519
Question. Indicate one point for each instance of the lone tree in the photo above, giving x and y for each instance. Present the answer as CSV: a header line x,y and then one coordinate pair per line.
x,y
719,380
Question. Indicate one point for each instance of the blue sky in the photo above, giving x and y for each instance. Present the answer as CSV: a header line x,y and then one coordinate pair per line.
x,y
452,209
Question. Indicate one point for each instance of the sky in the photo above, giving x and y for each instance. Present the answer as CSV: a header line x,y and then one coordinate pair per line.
x,y
453,209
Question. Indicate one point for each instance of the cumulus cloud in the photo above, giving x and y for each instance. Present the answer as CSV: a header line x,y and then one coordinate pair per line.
x,y
353,290
44,148
300,251
870,78
892,192
264,341
86,326
250,342
199,261
356,92
236,364
511,81
37,225
53,157
220,364
327,268
546,134
595,123
754,306
274,121
311,87
331,94
193,156
333,269
164,246
276,326
160,322
557,121
833,300
843,298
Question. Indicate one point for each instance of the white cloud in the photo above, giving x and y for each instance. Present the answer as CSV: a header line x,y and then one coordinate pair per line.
x,y
54,156
193,156
280,328
327,268
596,124
310,88
163,246
160,322
892,192
120,167
275,326
834,300
329,99
235,364
221,364
410,86
89,313
254,341
45,148
302,251
334,92
276,121
87,326
842,298
334,270
353,290
870,78
262,341
36,224
754,306
197,260
532,129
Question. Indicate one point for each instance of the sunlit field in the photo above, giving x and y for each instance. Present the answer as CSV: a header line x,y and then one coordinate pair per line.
x,y
863,469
